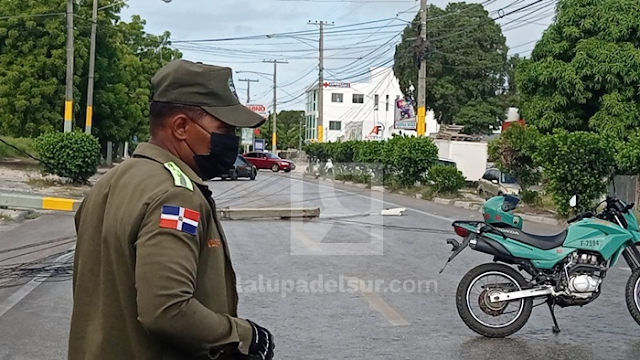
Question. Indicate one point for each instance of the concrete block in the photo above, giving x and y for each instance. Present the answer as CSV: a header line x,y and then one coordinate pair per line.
x,y
378,188
418,196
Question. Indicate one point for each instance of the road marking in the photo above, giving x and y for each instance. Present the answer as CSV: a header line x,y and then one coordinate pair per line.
x,y
304,239
27,288
381,306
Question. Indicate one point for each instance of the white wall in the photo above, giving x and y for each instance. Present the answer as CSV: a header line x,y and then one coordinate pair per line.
x,y
470,156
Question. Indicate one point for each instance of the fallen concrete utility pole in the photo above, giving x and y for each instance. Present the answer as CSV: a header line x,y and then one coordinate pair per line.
x,y
281,213
28,201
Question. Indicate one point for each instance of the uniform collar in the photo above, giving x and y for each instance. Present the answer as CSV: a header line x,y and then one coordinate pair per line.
x,y
162,156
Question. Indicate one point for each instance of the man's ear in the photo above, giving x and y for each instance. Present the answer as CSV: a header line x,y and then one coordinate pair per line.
x,y
178,126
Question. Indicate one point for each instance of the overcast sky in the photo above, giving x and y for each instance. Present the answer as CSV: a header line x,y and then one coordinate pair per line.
x,y
221,19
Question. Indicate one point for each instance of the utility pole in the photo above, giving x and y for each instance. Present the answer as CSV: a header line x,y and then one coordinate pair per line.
x,y
320,125
421,127
92,69
68,104
249,81
274,147
300,135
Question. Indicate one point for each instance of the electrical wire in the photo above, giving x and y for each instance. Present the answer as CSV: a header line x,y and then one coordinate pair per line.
x,y
17,273
8,17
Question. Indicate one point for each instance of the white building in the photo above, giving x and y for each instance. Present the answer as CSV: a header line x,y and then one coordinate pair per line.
x,y
360,110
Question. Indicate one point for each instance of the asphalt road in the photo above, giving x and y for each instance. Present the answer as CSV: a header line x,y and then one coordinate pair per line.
x,y
297,277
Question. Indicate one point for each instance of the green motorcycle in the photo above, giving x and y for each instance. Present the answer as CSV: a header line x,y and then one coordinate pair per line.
x,y
567,269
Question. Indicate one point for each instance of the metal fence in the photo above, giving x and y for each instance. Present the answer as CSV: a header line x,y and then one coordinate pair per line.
x,y
625,189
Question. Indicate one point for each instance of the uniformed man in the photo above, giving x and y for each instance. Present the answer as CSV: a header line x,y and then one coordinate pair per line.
x,y
152,273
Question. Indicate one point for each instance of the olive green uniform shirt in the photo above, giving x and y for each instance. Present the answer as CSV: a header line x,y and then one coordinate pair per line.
x,y
144,285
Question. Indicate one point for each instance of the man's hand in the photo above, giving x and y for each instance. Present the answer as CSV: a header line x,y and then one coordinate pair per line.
x,y
262,343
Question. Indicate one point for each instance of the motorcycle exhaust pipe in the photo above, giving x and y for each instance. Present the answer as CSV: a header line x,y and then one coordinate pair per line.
x,y
491,247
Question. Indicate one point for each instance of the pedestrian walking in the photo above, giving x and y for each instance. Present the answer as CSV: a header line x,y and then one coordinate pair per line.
x,y
153,277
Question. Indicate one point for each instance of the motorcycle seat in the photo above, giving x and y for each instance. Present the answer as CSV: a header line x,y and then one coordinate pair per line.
x,y
543,242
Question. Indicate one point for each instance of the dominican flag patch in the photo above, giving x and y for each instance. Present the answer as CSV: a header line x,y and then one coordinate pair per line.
x,y
179,218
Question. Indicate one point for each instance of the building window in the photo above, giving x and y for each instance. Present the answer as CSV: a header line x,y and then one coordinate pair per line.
x,y
315,93
376,101
358,99
337,97
335,125
311,129
387,104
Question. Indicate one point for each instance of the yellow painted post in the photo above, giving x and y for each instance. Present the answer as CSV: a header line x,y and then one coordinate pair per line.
x,y
68,115
421,127
320,134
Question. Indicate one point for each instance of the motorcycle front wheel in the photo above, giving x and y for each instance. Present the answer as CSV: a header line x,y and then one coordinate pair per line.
x,y
488,318
633,295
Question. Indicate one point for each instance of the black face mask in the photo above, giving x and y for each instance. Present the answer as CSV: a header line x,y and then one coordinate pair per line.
x,y
224,150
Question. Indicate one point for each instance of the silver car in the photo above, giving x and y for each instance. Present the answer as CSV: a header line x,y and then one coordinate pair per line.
x,y
495,182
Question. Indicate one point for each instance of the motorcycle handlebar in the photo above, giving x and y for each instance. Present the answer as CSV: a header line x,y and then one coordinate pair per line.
x,y
580,217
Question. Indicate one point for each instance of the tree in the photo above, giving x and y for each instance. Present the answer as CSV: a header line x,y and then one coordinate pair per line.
x,y
514,153
33,66
576,163
33,69
584,73
467,65
511,97
288,129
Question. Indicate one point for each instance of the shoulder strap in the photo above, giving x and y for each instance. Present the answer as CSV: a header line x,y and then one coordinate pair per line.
x,y
179,177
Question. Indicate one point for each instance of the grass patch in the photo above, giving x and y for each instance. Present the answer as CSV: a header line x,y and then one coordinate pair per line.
x,y
31,215
24,144
43,182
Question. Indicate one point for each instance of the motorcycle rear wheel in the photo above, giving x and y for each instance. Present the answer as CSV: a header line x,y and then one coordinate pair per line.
x,y
633,295
464,300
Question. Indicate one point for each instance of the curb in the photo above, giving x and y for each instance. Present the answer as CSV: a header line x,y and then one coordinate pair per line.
x,y
542,220
471,206
457,203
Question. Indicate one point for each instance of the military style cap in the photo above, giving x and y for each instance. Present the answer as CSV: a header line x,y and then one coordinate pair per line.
x,y
207,86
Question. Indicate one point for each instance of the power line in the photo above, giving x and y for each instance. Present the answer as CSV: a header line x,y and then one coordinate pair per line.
x,y
8,17
283,34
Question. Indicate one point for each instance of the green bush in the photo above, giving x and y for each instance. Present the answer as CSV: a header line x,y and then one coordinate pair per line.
x,y
72,155
402,159
409,157
576,163
446,179
531,197
428,193
24,144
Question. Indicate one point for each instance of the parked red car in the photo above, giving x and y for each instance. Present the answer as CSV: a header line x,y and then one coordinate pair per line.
x,y
267,160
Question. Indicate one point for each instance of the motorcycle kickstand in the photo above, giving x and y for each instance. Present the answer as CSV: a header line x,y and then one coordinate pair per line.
x,y
551,303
